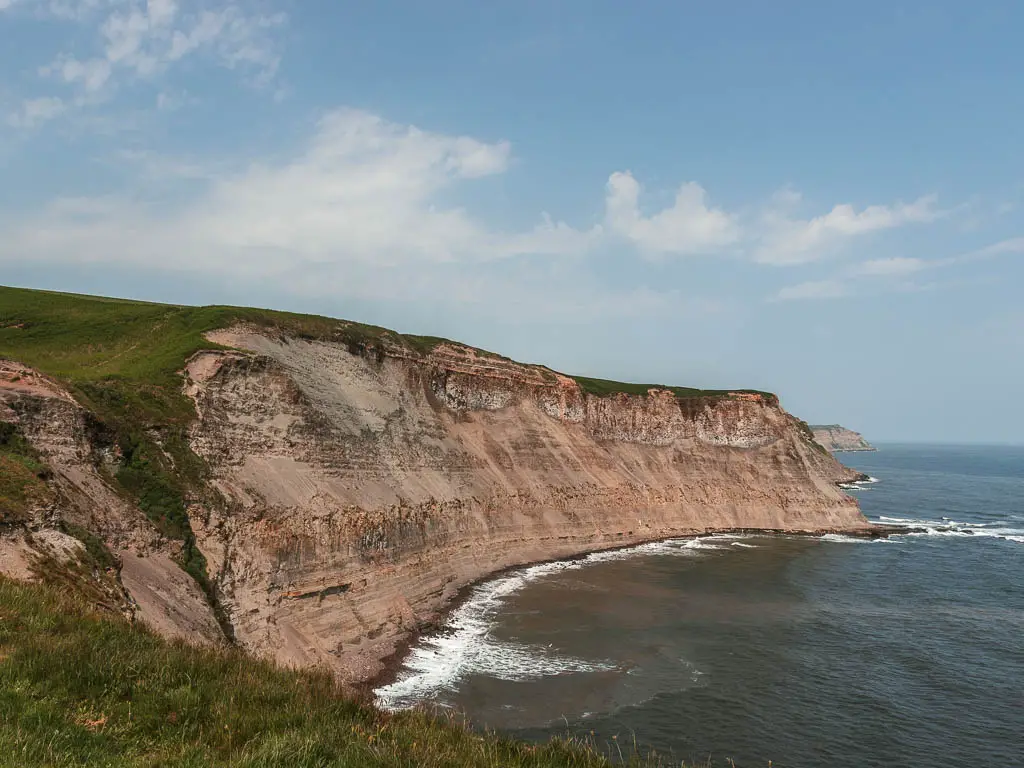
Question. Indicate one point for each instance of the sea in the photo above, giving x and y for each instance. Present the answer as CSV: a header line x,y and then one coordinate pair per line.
x,y
806,652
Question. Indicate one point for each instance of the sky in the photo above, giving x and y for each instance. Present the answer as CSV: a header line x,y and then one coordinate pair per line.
x,y
821,199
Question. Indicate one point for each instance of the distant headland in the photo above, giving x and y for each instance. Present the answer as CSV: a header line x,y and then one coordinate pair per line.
x,y
835,437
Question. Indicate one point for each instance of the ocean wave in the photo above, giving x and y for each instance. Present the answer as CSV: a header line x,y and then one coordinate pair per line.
x,y
683,547
859,485
465,646
844,539
954,528
884,518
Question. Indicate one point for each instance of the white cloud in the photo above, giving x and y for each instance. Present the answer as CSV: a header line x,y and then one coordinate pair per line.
x,y
792,241
891,274
688,226
140,40
778,237
91,75
362,191
364,199
813,289
34,112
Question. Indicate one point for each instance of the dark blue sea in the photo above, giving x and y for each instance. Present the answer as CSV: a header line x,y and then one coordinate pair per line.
x,y
806,652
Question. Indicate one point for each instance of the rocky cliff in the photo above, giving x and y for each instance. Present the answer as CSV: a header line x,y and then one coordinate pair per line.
x,y
834,437
352,490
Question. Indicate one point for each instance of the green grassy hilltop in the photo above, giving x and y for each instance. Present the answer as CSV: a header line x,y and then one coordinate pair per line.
x,y
126,354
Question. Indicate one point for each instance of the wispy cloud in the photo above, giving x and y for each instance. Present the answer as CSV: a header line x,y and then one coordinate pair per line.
x,y
363,190
891,274
785,240
1003,247
33,112
132,41
355,211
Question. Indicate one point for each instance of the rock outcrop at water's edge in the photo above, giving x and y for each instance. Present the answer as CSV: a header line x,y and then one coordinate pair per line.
x,y
833,437
361,488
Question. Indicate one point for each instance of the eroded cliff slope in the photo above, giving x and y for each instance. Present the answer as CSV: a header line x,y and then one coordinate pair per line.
x,y
340,489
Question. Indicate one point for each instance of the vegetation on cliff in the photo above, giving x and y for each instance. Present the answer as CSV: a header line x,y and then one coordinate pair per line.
x,y
80,688
604,387
22,476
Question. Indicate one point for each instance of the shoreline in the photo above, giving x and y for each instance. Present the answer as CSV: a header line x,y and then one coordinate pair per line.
x,y
392,664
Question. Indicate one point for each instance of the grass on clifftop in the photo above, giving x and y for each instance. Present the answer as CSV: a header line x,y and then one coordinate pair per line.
x,y
77,688
604,387
97,344
123,356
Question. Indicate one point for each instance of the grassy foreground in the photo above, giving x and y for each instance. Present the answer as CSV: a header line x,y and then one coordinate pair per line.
x,y
78,688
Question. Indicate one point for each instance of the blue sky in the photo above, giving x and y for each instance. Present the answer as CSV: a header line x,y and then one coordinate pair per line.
x,y
820,199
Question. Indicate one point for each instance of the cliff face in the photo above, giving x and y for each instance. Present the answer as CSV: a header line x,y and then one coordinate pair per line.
x,y
365,489
836,438
148,584
357,489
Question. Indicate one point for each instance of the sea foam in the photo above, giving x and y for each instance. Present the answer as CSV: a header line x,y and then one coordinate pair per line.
x,y
950,527
859,485
466,645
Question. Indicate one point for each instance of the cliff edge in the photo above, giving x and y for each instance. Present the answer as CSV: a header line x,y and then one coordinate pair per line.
x,y
834,437
316,491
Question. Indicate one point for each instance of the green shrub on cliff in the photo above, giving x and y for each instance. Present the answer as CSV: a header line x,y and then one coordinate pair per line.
x,y
22,476
80,688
